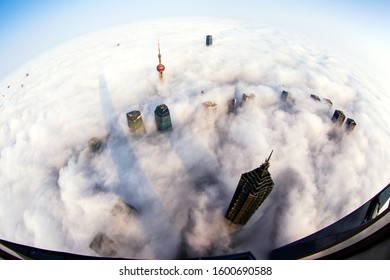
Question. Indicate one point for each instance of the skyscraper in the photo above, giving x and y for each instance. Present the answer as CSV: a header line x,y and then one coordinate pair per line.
x,y
285,95
94,144
338,117
160,67
315,97
232,105
209,40
350,124
252,189
163,118
135,122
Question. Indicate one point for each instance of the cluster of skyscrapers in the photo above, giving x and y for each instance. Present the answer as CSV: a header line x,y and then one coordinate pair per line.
x,y
162,117
254,186
338,116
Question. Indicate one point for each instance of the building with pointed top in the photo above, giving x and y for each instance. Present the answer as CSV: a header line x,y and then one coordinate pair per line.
x,y
252,189
160,67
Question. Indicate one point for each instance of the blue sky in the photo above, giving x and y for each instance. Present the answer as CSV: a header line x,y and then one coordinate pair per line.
x,y
357,30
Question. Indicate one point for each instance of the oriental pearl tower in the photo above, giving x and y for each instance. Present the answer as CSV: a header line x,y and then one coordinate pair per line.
x,y
160,67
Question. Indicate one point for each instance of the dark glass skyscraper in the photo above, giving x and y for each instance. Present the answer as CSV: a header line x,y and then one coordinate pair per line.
x,y
209,40
338,117
350,124
253,188
163,118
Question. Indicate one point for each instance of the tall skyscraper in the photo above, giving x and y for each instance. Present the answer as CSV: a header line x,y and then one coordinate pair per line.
x,y
160,67
232,105
338,117
253,188
163,118
135,122
286,96
350,124
209,40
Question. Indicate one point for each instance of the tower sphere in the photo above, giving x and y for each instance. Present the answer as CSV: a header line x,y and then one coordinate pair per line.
x,y
160,67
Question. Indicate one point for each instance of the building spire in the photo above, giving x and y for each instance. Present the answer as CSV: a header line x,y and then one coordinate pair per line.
x,y
269,156
266,164
160,67
159,53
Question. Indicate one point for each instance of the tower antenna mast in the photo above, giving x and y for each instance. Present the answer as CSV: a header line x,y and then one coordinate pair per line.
x,y
160,67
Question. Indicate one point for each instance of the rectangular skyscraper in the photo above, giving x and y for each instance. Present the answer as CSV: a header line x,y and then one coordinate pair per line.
x,y
209,40
328,102
285,95
163,118
338,117
232,105
287,98
350,123
135,122
253,188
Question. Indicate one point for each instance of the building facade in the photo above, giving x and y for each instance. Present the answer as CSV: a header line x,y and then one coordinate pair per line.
x,y
338,117
135,122
350,124
253,188
209,40
163,118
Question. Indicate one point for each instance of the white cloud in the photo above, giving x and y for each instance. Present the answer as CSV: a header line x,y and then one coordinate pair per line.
x,y
54,193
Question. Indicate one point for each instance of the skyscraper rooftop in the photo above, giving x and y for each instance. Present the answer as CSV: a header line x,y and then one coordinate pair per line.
x,y
338,117
135,122
209,40
163,118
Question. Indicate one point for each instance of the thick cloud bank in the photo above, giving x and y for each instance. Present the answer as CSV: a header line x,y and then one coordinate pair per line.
x,y
55,193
